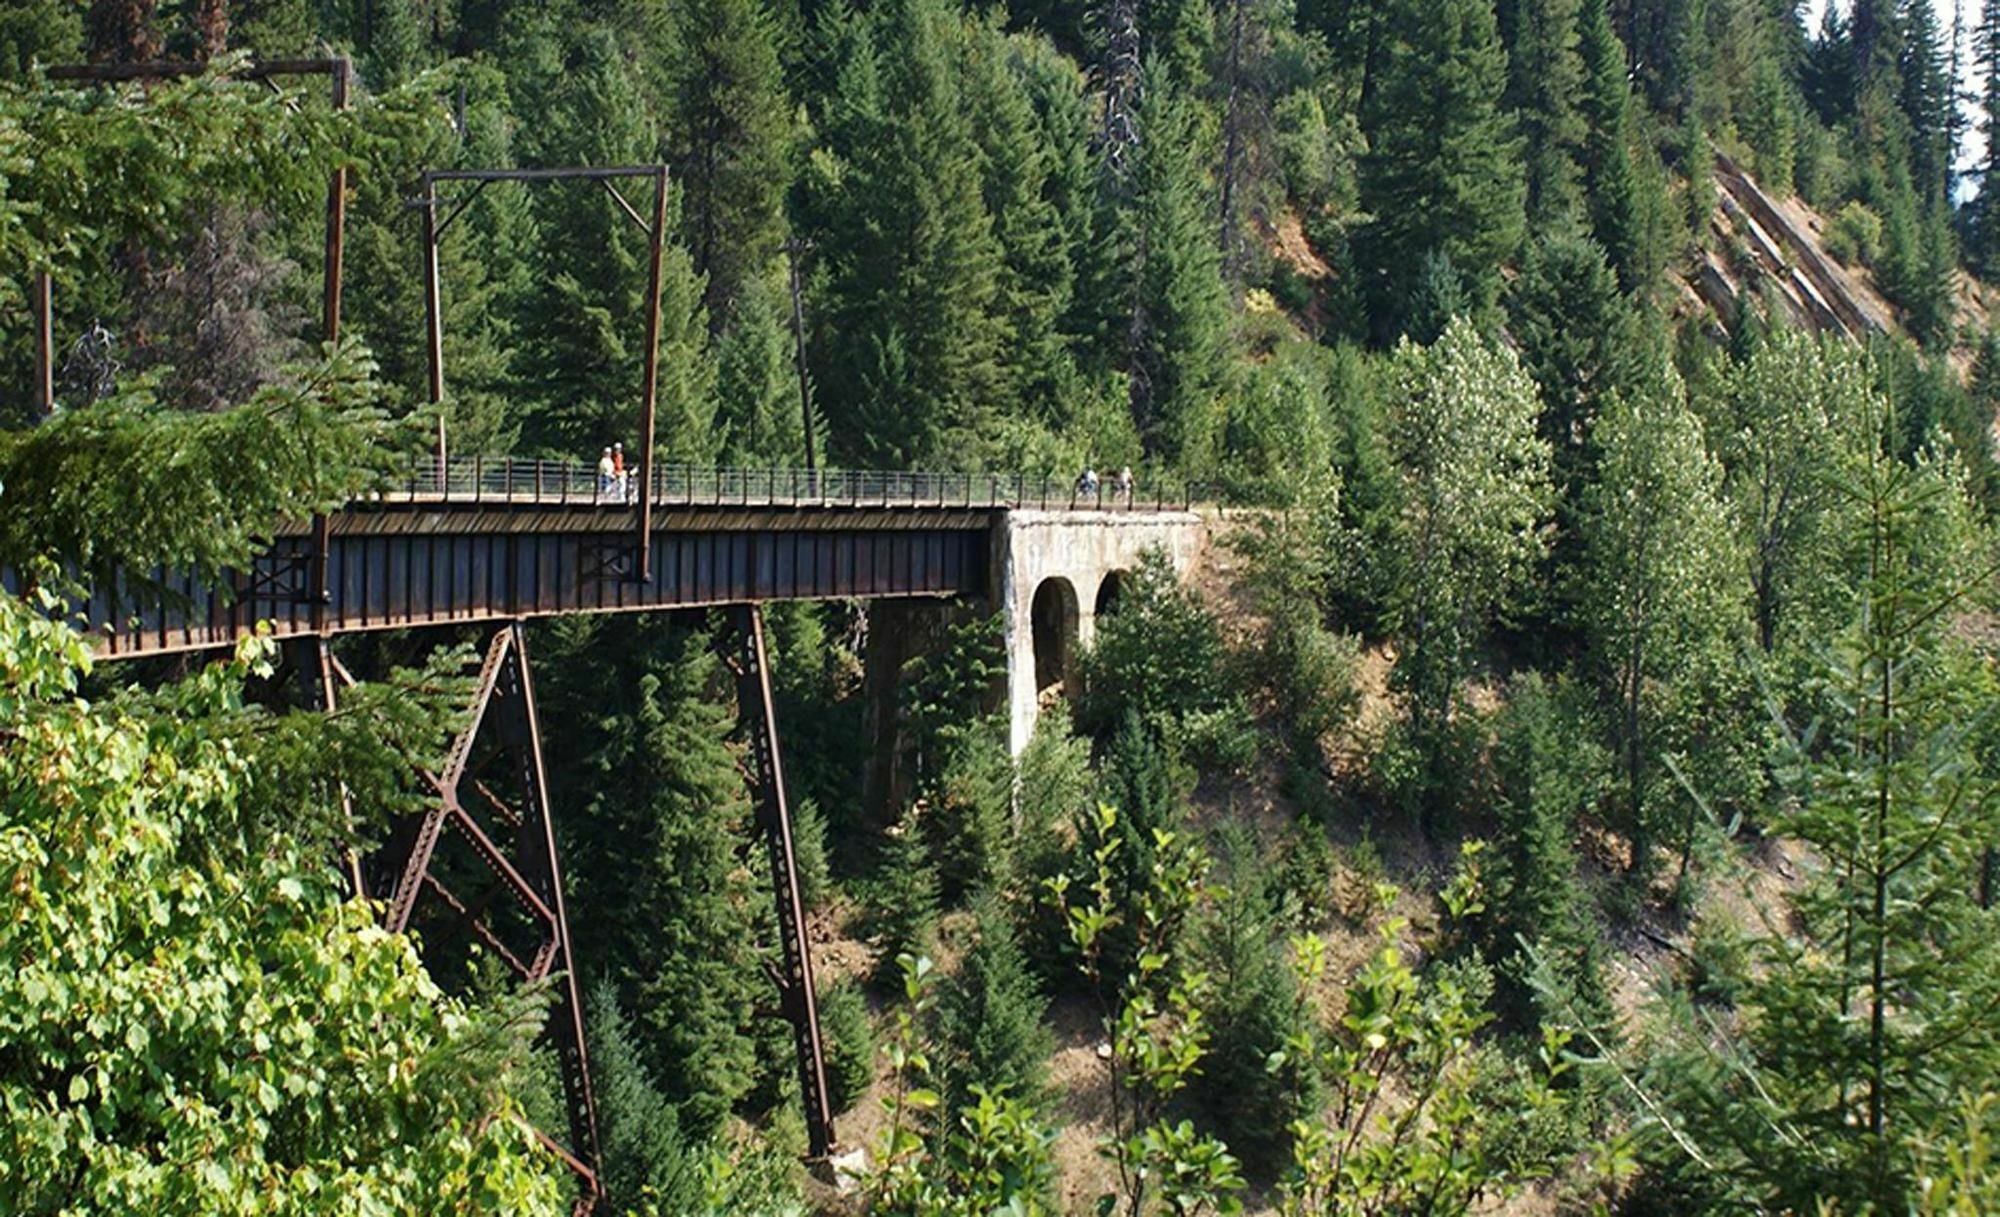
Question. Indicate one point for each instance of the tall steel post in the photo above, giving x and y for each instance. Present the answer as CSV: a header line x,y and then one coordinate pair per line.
x,y
801,999
433,316
649,409
336,221
43,291
793,248
336,248
472,818
319,682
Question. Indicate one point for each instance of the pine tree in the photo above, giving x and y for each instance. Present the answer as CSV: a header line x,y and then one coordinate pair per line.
x,y
662,816
586,345
730,137
1550,771
38,31
993,1017
913,265
906,896
1983,247
757,415
1037,278
1610,182
1927,100
1768,124
1177,343
1546,86
1252,1008
1442,170
1577,337
850,1043
644,1157
1828,78
1055,91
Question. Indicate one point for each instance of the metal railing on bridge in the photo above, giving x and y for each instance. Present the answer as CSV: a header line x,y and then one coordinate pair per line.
x,y
504,480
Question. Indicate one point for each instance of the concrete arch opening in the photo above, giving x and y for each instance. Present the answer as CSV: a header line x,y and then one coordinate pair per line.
x,y
1108,592
1055,616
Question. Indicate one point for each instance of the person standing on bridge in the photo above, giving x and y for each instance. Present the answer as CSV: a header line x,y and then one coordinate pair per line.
x,y
1086,484
1125,484
618,471
607,474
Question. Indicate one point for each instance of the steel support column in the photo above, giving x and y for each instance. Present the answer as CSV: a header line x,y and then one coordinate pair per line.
x,y
434,318
42,299
801,1000
320,679
509,849
656,236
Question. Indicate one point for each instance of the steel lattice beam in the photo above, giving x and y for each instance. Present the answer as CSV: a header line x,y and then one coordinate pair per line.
x,y
526,875
801,998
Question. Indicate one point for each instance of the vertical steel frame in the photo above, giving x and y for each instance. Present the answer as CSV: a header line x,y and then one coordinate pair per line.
x,y
337,70
800,997
320,679
42,292
527,871
655,230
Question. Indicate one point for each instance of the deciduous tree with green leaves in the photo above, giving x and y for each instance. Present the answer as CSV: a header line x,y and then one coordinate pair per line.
x,y
1654,587
1469,519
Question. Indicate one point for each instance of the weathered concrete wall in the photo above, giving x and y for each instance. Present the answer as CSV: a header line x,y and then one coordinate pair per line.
x,y
1081,549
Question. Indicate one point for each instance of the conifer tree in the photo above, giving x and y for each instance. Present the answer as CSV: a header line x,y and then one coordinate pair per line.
x,y
906,896
1550,771
1442,170
1252,1008
730,136
1827,77
1983,247
1438,295
644,1157
757,417
1036,278
585,344
1546,86
1576,335
392,41
1177,343
1768,124
850,1043
662,816
1927,100
1610,181
993,1016
913,264
38,31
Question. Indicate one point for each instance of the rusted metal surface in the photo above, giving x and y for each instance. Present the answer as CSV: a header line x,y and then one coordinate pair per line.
x,y
774,817
474,838
649,405
42,290
320,679
476,569
338,71
607,176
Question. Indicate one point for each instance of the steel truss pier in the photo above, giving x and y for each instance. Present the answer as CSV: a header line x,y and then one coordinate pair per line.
x,y
479,867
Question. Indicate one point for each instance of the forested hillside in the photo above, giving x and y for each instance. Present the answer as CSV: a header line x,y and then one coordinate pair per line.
x,y
1570,782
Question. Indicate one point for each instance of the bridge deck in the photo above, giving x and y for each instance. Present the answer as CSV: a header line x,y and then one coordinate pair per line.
x,y
484,541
